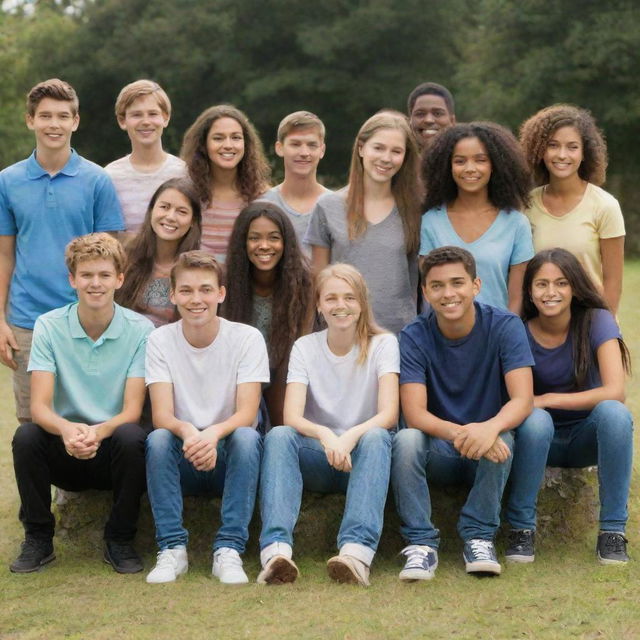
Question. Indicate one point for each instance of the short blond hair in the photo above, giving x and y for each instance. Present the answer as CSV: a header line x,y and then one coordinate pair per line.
x,y
95,246
138,89
300,120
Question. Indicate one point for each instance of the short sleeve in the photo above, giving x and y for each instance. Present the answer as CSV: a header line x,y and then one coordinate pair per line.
x,y
387,355
137,365
426,240
42,357
413,366
514,348
7,220
523,240
253,365
298,371
611,220
156,366
318,233
107,212
603,328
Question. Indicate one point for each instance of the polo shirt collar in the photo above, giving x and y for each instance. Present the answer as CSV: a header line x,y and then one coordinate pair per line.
x,y
112,332
35,170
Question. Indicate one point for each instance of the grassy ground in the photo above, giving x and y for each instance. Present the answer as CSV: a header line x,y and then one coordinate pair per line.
x,y
565,594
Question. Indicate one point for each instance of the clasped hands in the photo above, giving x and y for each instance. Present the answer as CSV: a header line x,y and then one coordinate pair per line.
x,y
477,440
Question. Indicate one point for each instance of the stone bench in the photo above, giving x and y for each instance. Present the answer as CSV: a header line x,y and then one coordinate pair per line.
x,y
567,509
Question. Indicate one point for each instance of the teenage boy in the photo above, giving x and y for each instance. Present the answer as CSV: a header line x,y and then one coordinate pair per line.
x,y
204,375
143,110
465,376
87,392
45,201
301,146
431,109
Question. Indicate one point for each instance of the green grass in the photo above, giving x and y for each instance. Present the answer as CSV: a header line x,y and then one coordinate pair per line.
x,y
565,594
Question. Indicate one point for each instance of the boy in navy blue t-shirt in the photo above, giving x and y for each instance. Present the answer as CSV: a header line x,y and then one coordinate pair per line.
x,y
465,379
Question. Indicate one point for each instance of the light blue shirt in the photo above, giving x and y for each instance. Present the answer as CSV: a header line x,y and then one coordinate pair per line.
x,y
506,242
90,376
45,213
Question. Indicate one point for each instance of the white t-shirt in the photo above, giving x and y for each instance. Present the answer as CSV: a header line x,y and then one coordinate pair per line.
x,y
205,380
340,392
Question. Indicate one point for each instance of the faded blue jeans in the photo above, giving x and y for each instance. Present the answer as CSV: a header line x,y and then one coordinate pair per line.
x,y
292,461
235,478
603,438
419,460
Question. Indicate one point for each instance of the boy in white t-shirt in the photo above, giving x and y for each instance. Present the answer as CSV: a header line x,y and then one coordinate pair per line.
x,y
204,375
143,110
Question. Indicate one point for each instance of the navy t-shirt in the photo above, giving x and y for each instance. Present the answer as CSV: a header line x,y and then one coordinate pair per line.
x,y
553,370
465,377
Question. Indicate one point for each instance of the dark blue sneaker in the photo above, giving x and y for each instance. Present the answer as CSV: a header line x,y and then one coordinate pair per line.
x,y
521,545
421,564
612,548
480,557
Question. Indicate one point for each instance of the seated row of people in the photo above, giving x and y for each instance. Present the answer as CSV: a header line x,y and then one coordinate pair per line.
x,y
462,374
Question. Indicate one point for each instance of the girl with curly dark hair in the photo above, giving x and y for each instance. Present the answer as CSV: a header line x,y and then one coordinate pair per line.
x,y
170,227
567,154
579,419
227,165
477,182
269,287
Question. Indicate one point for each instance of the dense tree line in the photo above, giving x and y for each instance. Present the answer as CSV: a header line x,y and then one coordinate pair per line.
x,y
343,59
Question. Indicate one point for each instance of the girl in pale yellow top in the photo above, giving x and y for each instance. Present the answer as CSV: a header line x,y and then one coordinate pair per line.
x,y
568,157
228,168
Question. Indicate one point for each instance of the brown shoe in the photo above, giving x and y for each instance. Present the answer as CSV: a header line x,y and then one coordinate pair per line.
x,y
348,570
279,570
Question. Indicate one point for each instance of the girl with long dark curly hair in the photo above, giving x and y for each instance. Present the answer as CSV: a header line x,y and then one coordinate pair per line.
x,y
567,154
227,165
477,183
269,287
579,417
170,227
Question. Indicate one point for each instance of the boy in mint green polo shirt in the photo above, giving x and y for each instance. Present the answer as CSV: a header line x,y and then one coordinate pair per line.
x,y
87,392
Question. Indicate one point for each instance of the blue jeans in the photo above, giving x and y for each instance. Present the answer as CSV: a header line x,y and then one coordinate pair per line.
x,y
292,461
603,438
235,478
419,459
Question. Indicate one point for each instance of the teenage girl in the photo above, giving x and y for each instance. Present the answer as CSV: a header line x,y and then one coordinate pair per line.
x,y
341,401
580,419
269,287
226,163
170,227
373,222
568,157
477,182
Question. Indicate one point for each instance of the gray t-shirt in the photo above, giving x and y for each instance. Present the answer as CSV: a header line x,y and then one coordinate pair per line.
x,y
300,221
379,254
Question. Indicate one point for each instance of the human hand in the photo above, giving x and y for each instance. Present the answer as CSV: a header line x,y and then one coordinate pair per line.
x,y
475,440
8,346
80,441
338,455
499,452
201,449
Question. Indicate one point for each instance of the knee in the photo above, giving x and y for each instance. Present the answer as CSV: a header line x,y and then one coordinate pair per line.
x,y
409,444
160,442
537,429
129,435
377,438
280,438
613,419
27,436
245,440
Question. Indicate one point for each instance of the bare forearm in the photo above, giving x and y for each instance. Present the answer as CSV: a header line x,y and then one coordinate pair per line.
x,y
432,425
48,419
581,400
511,415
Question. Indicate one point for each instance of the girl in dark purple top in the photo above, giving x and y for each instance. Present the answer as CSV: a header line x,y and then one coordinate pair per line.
x,y
579,419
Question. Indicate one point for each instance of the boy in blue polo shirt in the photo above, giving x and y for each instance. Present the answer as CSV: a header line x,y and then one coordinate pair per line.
x,y
45,201
465,383
87,392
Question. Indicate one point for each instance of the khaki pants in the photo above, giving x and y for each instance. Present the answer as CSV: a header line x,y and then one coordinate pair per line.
x,y
22,379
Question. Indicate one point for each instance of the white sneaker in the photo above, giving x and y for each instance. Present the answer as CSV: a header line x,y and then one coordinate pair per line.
x,y
278,570
227,566
348,570
170,564
421,564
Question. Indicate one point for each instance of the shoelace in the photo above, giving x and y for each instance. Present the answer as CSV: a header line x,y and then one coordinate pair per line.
x,y
165,559
615,542
229,558
519,539
415,557
482,549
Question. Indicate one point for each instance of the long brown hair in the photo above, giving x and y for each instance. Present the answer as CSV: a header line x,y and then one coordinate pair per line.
x,y
404,186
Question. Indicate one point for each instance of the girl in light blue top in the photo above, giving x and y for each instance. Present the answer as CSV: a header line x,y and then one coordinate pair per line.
x,y
477,181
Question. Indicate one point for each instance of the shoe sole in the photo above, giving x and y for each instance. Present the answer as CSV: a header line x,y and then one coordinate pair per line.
x,y
489,568
415,575
43,563
124,570
608,561
343,573
281,571
519,559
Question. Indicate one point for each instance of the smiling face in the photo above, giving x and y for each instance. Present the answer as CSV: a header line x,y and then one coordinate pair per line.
x,y
265,244
171,216
429,116
301,150
197,295
383,154
471,165
564,153
225,143
144,121
551,292
53,122
339,305
95,282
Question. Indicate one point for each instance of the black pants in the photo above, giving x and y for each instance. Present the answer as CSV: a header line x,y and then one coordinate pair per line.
x,y
40,460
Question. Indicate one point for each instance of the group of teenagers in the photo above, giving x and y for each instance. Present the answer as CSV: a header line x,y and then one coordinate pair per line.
x,y
413,328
